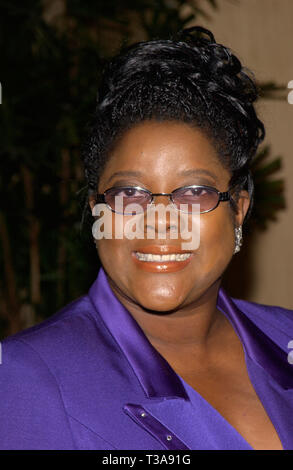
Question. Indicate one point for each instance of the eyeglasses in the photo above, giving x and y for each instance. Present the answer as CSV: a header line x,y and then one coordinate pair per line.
x,y
207,197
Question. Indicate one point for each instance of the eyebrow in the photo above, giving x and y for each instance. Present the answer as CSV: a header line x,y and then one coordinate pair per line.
x,y
192,172
125,173
198,171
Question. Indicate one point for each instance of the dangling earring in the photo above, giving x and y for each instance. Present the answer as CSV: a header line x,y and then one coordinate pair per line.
x,y
238,238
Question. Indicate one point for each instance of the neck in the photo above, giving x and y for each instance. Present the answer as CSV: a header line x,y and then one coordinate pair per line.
x,y
192,328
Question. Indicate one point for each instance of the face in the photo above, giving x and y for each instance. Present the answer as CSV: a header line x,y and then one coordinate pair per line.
x,y
165,156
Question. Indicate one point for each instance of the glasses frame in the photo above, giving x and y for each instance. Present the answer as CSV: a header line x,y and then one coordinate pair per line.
x,y
222,196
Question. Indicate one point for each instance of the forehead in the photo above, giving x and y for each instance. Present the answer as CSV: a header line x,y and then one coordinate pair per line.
x,y
163,149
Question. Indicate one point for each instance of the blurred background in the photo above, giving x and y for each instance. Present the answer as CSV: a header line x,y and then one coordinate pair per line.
x,y
52,54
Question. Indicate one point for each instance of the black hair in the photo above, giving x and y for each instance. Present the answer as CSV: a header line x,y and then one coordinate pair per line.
x,y
189,77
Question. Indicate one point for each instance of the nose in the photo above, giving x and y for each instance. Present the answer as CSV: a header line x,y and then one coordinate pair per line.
x,y
161,217
162,199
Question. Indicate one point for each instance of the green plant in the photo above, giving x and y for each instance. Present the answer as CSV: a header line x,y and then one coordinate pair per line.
x,y
269,192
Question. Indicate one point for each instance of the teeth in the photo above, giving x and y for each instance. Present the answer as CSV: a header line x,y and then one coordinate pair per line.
x,y
171,257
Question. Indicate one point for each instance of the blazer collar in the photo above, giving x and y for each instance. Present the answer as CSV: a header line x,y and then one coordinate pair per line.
x,y
155,375
259,347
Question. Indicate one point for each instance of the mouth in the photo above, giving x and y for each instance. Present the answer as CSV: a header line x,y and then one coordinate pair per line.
x,y
149,257
161,259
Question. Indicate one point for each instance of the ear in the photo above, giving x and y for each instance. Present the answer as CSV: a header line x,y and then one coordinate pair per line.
x,y
242,202
92,202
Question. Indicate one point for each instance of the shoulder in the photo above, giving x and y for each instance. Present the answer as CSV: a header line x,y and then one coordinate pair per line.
x,y
275,321
38,368
31,403
64,346
269,313
54,348
72,312
58,334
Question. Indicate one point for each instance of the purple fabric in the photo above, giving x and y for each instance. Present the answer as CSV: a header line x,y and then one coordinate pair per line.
x,y
258,346
88,378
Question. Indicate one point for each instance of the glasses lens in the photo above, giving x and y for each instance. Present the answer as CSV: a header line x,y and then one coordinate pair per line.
x,y
207,198
120,198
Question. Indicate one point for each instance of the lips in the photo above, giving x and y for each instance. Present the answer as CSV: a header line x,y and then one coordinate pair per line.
x,y
161,258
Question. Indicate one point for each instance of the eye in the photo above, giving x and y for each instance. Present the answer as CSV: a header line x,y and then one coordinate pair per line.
x,y
128,192
131,192
195,192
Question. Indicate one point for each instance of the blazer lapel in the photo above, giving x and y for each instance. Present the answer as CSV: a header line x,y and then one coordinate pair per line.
x,y
260,347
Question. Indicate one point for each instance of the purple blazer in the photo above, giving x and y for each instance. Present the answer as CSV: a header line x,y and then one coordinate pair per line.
x,y
88,378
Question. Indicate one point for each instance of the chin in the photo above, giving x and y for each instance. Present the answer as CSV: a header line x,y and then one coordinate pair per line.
x,y
157,304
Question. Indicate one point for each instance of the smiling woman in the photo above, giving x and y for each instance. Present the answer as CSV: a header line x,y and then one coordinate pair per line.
x,y
157,355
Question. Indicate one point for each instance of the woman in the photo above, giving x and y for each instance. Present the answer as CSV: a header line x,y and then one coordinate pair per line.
x,y
157,355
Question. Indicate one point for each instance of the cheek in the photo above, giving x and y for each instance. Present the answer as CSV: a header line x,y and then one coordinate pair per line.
x,y
217,239
113,246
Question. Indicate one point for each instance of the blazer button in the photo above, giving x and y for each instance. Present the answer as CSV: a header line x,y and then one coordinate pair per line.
x,y
143,414
169,438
